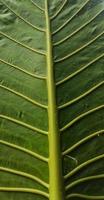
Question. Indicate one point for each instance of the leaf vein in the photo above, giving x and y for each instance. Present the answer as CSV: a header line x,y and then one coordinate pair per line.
x,y
81,117
24,174
22,149
81,96
24,20
82,141
59,10
23,70
65,23
79,29
36,5
84,196
23,45
24,190
79,49
23,124
23,96
82,180
78,168
80,70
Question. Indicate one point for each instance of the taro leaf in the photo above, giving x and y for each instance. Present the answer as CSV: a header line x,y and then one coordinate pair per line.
x,y
51,99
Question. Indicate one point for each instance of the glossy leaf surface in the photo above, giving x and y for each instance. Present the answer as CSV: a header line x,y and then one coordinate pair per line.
x,y
51,99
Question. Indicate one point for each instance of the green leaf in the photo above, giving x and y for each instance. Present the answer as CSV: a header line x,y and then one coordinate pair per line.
x,y
51,99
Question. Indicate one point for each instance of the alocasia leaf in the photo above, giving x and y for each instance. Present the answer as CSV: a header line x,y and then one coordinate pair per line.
x,y
51,99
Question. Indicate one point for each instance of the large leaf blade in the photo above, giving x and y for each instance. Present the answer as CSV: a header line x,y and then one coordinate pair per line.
x,y
68,43
25,154
82,105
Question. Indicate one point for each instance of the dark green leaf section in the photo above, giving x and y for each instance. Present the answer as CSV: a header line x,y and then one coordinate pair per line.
x,y
78,39
78,55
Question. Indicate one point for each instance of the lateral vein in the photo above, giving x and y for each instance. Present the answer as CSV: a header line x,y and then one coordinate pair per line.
x,y
85,139
36,5
25,150
83,196
24,174
88,162
24,20
81,96
82,180
23,96
23,70
23,124
81,117
79,49
23,45
79,71
59,10
24,190
79,29
69,20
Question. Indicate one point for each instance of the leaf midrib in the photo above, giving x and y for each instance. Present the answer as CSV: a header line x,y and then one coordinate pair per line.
x,y
55,165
